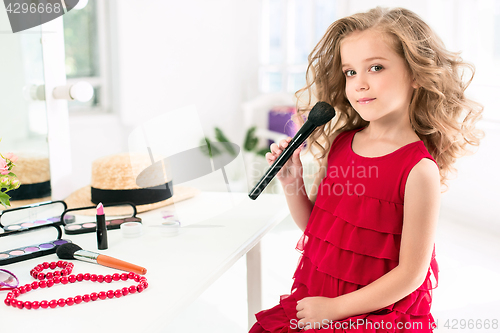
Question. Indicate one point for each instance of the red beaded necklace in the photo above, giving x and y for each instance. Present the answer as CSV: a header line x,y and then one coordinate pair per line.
x,y
64,276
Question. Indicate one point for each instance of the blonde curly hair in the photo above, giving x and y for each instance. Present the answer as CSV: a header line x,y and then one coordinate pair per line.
x,y
440,114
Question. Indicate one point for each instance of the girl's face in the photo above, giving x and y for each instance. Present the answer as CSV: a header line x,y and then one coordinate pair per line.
x,y
378,82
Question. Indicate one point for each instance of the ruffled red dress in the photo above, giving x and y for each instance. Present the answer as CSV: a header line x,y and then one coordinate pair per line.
x,y
352,238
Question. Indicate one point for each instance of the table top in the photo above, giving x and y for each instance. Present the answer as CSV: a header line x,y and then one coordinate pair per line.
x,y
217,228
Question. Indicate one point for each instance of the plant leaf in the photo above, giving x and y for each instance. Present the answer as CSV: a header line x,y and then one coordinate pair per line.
x,y
222,138
205,147
214,151
219,135
251,140
262,152
208,148
4,199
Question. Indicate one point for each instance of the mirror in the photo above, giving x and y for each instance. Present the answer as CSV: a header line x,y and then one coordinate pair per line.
x,y
23,113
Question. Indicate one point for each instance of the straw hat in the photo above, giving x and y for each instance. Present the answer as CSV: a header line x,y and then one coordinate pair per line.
x,y
33,173
114,180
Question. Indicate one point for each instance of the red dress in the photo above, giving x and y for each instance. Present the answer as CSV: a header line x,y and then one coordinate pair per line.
x,y
353,238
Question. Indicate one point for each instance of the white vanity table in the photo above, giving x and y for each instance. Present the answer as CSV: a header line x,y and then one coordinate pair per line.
x,y
180,267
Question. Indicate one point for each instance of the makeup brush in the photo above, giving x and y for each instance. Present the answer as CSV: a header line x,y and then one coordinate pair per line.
x,y
320,114
73,251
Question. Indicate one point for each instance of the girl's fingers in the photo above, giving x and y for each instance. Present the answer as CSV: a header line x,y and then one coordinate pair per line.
x,y
275,149
284,143
270,158
296,157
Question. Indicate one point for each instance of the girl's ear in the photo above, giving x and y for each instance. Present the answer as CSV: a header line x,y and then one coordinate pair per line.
x,y
414,84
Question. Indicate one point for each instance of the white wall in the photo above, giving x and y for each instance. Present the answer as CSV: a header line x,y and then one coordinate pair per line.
x,y
473,197
167,55
177,53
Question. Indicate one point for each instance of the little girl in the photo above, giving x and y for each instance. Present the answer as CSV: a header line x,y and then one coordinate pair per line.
x,y
368,262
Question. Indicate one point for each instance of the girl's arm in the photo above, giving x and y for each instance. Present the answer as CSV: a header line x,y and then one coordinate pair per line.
x,y
322,171
319,177
421,210
292,181
290,177
301,205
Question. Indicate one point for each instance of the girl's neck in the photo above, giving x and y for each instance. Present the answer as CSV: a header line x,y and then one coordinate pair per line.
x,y
395,131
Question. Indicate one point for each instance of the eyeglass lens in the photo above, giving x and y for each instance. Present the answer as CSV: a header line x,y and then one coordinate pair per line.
x,y
8,279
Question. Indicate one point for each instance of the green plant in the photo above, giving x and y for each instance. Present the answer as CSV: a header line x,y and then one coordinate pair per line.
x,y
212,150
222,138
251,144
208,149
8,180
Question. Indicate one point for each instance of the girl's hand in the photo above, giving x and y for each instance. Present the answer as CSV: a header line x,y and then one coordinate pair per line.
x,y
316,312
292,170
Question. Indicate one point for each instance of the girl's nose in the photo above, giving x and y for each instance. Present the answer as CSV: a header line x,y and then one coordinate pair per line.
x,y
361,83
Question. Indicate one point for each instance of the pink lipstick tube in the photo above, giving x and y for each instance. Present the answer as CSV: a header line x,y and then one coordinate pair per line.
x,y
102,232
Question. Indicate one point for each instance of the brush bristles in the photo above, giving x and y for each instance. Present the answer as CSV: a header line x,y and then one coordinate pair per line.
x,y
67,251
321,113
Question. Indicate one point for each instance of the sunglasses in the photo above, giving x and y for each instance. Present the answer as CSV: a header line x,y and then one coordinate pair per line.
x,y
8,280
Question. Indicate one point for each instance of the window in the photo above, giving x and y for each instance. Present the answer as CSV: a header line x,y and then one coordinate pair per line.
x,y
290,30
85,47
477,34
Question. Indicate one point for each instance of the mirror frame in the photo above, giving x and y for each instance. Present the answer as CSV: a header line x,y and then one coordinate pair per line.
x,y
58,136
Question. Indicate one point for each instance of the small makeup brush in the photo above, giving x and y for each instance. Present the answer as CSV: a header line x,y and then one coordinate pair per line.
x,y
73,251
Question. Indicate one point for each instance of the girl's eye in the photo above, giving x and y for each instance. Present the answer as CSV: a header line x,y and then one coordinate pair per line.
x,y
376,68
349,72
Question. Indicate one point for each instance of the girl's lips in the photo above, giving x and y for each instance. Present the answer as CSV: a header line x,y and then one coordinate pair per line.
x,y
365,100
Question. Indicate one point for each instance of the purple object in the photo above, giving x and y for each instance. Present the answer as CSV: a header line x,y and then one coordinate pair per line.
x,y
280,120
8,280
31,249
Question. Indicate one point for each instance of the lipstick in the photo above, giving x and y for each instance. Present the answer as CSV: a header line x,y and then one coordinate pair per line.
x,y
102,233
365,100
